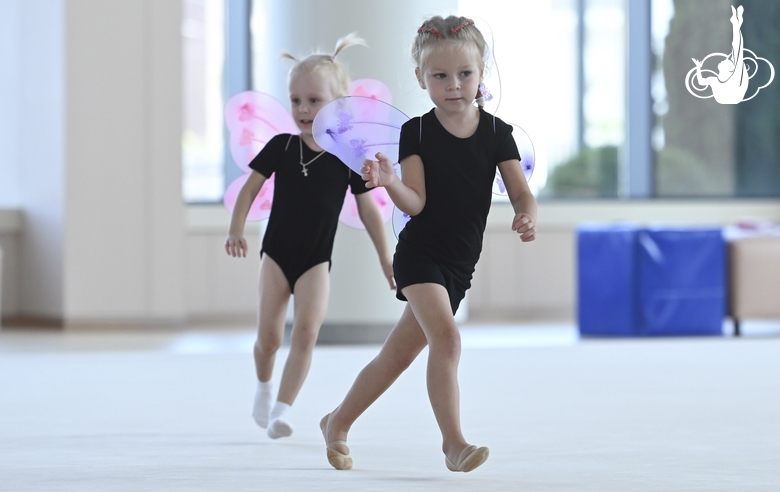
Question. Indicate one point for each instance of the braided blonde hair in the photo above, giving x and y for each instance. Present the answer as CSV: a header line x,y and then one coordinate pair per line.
x,y
327,65
459,32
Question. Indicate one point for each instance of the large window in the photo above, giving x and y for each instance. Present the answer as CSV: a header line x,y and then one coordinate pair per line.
x,y
698,147
703,147
599,85
203,52
587,75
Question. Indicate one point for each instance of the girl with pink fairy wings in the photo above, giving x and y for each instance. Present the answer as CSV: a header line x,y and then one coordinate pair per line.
x,y
308,194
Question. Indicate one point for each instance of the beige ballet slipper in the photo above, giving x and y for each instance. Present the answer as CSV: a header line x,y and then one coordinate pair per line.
x,y
337,460
468,459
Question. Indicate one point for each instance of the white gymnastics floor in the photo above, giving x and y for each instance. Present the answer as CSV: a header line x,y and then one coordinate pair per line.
x,y
170,411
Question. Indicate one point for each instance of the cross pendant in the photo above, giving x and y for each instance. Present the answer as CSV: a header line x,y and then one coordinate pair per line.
x,y
305,172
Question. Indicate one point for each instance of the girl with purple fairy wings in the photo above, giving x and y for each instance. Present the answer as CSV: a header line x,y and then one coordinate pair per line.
x,y
448,158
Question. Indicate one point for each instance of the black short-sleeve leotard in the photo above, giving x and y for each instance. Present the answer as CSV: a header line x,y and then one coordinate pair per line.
x,y
443,242
305,209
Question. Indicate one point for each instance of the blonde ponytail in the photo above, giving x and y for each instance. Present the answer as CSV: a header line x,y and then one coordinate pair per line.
x,y
327,65
350,39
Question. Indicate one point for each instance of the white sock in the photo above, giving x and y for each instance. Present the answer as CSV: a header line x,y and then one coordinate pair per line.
x,y
279,426
263,400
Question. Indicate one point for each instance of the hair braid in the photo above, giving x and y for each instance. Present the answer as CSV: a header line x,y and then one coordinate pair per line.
x,y
454,30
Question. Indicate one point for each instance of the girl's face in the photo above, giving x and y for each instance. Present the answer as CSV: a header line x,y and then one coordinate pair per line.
x,y
451,76
308,94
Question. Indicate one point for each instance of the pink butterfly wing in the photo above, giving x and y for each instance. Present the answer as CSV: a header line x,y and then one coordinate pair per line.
x,y
349,212
261,207
375,89
253,118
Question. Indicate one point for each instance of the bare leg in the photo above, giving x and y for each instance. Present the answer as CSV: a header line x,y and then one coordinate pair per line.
x,y
311,304
274,296
402,346
428,314
431,306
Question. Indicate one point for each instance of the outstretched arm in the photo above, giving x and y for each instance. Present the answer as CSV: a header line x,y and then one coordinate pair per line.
x,y
407,193
372,220
235,244
523,201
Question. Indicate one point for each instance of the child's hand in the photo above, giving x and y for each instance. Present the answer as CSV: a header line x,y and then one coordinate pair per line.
x,y
525,225
379,173
236,246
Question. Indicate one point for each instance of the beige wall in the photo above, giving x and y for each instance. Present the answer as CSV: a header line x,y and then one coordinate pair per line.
x,y
517,281
533,281
123,209
538,280
97,155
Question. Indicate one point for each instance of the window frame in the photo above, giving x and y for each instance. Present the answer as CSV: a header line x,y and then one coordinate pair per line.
x,y
238,68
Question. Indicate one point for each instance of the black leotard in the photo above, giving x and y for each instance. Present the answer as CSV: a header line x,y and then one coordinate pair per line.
x,y
305,209
443,242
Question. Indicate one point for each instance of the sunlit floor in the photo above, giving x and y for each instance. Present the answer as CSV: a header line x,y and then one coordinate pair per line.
x,y
170,411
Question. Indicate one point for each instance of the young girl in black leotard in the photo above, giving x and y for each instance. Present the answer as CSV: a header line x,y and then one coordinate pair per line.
x,y
297,245
448,159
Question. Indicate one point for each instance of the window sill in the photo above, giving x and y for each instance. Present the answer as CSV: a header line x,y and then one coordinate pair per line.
x,y
568,214
212,218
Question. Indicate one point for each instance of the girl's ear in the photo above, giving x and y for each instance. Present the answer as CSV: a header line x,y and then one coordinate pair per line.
x,y
419,77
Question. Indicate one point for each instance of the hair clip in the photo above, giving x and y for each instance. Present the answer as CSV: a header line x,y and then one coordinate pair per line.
x,y
467,22
483,91
431,30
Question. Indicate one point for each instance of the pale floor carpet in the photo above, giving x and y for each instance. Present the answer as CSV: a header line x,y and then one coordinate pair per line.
x,y
170,411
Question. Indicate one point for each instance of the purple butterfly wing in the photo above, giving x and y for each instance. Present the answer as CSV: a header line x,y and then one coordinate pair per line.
x,y
355,128
399,221
527,159
374,89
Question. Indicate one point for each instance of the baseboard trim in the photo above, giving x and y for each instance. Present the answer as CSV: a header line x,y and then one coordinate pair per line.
x,y
353,334
330,333
553,315
32,323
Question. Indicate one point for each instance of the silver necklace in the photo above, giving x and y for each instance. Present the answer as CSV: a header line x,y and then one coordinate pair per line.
x,y
305,165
